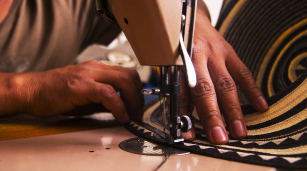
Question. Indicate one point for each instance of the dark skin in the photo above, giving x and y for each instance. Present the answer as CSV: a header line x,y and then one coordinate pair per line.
x,y
71,89
218,68
63,90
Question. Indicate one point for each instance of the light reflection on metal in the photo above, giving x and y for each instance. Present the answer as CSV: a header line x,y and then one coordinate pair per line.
x,y
141,146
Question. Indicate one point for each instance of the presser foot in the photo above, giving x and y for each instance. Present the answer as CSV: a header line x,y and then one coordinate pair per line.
x,y
171,120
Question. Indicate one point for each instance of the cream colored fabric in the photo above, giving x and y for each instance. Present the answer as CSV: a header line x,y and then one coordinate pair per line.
x,y
38,35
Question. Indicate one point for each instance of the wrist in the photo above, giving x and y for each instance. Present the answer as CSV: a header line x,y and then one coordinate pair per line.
x,y
19,92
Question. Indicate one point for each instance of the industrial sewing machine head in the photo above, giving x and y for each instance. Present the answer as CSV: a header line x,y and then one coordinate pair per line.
x,y
161,34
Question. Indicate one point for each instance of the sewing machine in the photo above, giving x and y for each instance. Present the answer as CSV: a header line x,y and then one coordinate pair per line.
x,y
161,34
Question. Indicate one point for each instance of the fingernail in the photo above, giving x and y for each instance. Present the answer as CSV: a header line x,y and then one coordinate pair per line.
x,y
238,129
187,135
126,118
218,134
262,102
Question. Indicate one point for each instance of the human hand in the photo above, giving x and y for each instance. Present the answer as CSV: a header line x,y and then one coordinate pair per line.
x,y
218,68
62,90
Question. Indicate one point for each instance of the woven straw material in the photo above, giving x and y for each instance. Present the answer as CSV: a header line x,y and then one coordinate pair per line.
x,y
277,137
270,37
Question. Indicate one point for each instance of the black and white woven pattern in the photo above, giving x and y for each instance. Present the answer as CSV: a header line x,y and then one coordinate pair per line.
x,y
277,137
270,37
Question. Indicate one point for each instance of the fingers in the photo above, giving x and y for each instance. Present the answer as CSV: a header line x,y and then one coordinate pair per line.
x,y
186,105
189,136
205,101
222,76
218,68
226,92
135,77
129,73
245,80
108,97
124,83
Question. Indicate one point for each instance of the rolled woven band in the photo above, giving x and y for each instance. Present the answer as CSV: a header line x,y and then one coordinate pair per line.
x,y
277,137
270,38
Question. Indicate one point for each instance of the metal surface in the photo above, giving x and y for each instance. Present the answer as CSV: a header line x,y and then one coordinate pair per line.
x,y
154,91
170,87
174,102
185,123
189,10
141,146
164,82
141,38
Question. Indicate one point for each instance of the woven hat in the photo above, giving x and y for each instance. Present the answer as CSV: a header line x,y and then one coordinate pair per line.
x,y
271,39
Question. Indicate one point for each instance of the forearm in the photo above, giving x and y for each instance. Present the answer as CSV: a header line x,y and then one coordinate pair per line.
x,y
13,93
62,90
